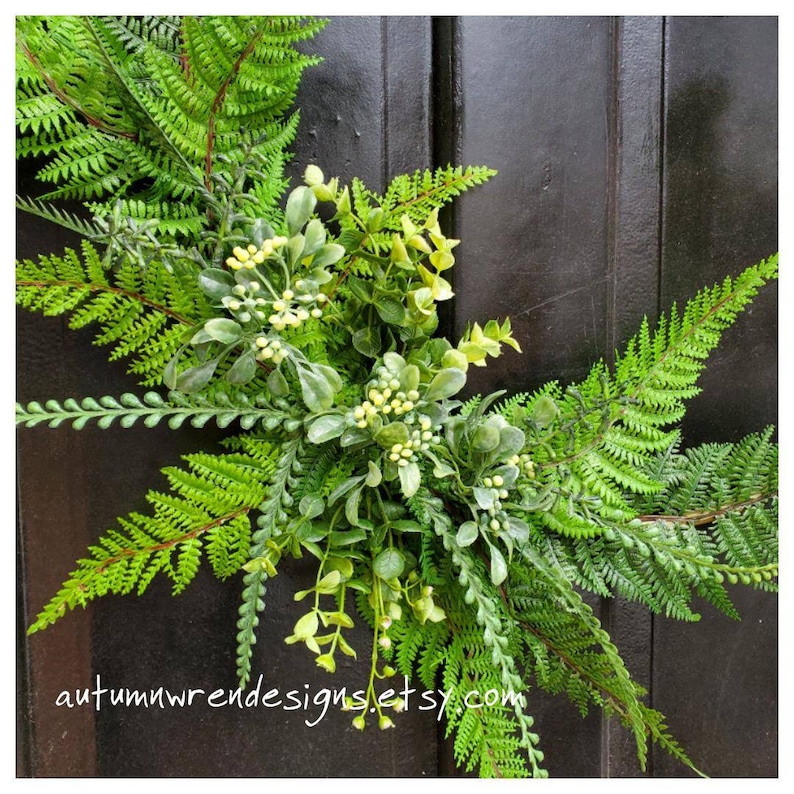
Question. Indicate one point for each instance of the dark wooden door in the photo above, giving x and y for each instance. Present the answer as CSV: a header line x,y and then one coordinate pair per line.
x,y
638,162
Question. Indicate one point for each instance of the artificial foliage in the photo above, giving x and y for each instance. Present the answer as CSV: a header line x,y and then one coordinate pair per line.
x,y
304,321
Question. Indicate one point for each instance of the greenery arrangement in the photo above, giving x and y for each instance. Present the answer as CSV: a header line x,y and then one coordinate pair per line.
x,y
462,532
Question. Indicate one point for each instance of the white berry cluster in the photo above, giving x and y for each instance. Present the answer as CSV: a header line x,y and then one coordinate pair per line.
x,y
270,350
524,464
246,302
496,517
248,258
291,309
419,441
385,397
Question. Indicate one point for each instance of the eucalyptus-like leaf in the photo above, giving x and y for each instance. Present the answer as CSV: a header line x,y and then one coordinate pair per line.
x,y
545,411
223,330
326,427
484,497
314,237
410,479
300,206
196,378
316,390
393,433
468,532
389,564
486,438
328,255
216,283
446,383
277,384
374,475
498,566
243,370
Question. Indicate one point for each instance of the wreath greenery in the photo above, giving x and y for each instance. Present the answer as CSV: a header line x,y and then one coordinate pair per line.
x,y
462,532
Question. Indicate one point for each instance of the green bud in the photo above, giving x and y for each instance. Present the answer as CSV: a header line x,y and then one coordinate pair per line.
x,y
313,176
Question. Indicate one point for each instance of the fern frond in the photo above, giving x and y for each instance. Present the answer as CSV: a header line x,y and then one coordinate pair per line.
x,y
272,515
56,215
419,194
140,313
594,441
569,650
208,507
216,405
146,109
494,637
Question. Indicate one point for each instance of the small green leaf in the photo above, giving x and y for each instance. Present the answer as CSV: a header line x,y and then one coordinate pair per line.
x,y
448,382
406,525
389,564
243,370
486,438
374,475
311,506
354,435
215,283
367,341
519,530
314,237
330,374
484,497
351,506
409,378
348,537
307,626
511,442
545,411
326,427
391,434
326,662
390,309
394,362
300,205
498,567
315,389
410,479
170,373
467,533
277,384
360,288
329,583
329,254
223,330
195,378
343,488
342,564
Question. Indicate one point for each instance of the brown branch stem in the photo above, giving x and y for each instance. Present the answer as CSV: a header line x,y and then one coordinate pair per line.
x,y
106,288
171,543
67,100
218,101
699,518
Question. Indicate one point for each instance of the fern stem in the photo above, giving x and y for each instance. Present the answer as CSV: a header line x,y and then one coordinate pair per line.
x,y
217,103
67,100
699,518
41,283
140,106
174,541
